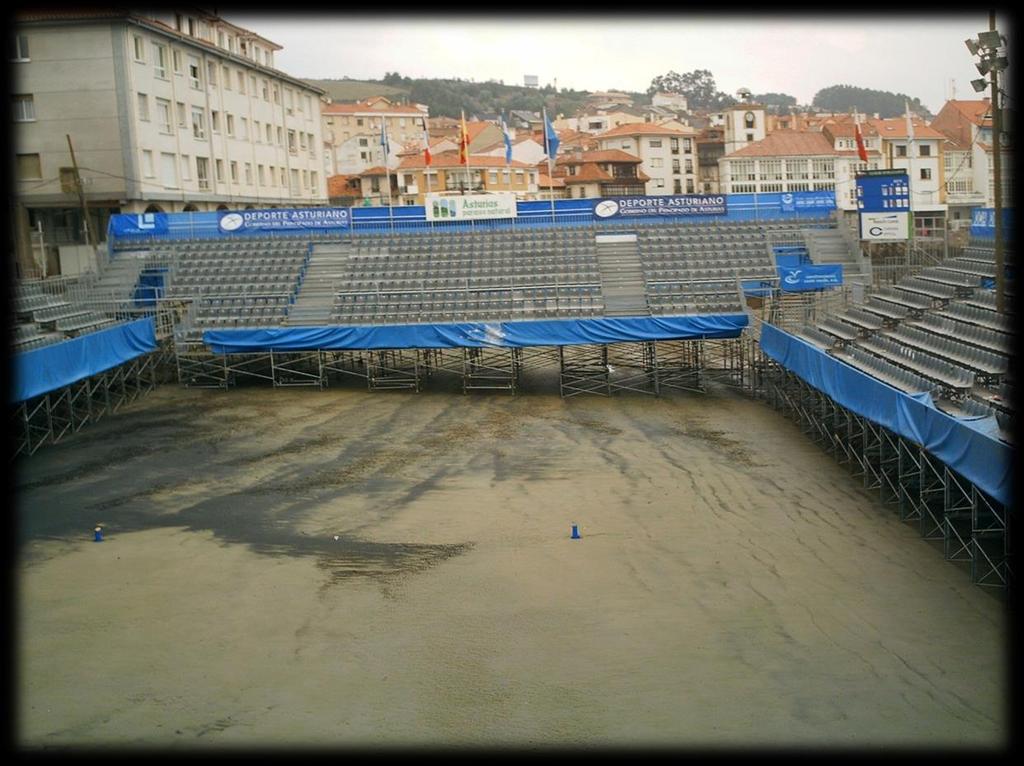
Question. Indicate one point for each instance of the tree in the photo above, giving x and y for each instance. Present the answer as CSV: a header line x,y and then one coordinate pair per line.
x,y
843,98
698,86
775,103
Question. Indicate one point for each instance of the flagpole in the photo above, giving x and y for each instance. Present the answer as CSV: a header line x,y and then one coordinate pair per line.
x,y
551,172
387,172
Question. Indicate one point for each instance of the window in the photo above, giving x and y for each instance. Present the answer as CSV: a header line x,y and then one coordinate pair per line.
x,y
291,141
677,186
169,170
924,150
198,123
901,150
147,164
689,166
215,121
492,176
689,186
362,142
19,52
823,168
24,108
520,178
359,122
182,119
266,90
252,84
140,48
302,140
750,137
277,94
229,120
29,167
659,183
248,174
314,180
305,179
219,167
203,172
270,134
655,143
627,144
926,174
163,115
257,132
687,146
176,60
194,73
675,166
143,107
295,188
243,129
160,60
260,175
227,77
241,82
211,73
280,136
657,162
284,178
186,168
234,172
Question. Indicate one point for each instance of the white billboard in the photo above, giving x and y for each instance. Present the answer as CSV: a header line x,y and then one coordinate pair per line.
x,y
877,227
470,207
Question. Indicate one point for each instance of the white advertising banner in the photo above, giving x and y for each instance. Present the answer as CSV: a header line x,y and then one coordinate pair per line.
x,y
470,207
884,226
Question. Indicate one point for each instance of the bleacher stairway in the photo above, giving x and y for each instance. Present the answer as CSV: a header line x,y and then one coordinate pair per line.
x,y
118,279
326,271
622,276
829,246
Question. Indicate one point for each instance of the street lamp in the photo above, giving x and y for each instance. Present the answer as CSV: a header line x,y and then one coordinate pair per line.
x,y
990,48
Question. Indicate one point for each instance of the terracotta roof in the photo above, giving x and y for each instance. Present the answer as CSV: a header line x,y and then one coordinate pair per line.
x,y
363,107
896,127
602,155
339,186
549,183
374,171
841,127
641,128
787,143
451,160
591,172
975,111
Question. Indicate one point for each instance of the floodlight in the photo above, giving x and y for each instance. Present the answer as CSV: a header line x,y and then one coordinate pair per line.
x,y
980,84
1001,62
990,39
972,46
983,66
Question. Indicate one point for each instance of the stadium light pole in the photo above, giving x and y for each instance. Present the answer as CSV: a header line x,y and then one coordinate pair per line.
x,y
987,48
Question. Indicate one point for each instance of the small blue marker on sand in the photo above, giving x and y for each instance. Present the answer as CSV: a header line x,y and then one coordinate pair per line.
x,y
575,533
98,535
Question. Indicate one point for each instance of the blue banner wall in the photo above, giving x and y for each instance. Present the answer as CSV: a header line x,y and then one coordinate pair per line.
x,y
50,368
555,332
805,277
960,444
983,222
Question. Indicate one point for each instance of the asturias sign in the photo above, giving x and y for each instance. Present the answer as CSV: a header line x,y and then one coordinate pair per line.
x,y
689,204
276,220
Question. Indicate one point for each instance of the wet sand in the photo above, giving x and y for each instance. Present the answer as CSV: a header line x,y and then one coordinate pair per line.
x,y
733,586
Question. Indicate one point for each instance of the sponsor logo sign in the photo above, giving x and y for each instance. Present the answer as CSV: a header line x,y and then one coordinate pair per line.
x,y
278,220
470,207
808,277
668,205
144,223
877,227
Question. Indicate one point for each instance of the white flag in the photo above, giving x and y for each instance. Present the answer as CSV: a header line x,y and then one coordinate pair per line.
x,y
910,124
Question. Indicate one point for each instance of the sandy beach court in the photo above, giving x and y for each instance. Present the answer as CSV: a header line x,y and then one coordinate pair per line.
x,y
291,567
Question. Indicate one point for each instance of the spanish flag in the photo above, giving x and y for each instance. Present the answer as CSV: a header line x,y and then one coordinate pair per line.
x,y
464,142
426,144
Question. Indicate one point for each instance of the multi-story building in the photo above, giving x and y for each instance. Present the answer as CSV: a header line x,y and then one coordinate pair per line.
x,y
744,124
921,156
668,155
601,173
354,130
413,179
166,112
710,149
968,166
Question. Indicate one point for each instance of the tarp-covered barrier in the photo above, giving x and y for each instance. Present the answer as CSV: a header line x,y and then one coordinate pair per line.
x,y
50,368
555,332
961,445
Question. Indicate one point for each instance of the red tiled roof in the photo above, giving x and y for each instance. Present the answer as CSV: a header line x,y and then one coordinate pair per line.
x,y
374,171
787,143
591,172
641,128
601,155
975,111
340,186
545,182
896,127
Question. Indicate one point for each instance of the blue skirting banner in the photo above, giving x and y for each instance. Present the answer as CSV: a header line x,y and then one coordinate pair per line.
x,y
50,368
555,332
961,444
796,279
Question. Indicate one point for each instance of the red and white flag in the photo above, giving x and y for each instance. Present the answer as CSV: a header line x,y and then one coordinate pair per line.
x,y
426,144
862,151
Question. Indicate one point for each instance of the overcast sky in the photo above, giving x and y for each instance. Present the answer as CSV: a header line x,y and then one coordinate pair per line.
x,y
919,54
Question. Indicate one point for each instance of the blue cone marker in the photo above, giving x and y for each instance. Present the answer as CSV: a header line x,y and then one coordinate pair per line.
x,y
98,536
575,533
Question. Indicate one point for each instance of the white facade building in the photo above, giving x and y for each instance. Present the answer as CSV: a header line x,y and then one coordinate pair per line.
x,y
669,155
166,112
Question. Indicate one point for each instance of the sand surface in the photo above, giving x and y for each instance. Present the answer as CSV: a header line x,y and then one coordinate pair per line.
x,y
733,585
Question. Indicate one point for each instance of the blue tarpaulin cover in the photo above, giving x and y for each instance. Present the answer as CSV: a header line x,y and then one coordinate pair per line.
x,y
49,368
555,332
960,444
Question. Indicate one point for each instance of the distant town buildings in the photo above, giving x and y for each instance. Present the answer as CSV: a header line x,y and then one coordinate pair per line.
x,y
354,132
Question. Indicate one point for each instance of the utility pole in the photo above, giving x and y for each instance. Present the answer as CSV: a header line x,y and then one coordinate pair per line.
x,y
90,235
997,177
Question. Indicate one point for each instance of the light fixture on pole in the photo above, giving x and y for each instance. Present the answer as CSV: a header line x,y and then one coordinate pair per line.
x,y
972,46
979,85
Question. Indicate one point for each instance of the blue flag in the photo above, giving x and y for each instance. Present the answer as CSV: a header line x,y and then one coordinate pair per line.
x,y
508,140
551,141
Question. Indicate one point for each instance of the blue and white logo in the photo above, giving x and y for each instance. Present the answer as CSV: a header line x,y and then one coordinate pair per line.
x,y
231,222
787,199
606,209
793,277
147,221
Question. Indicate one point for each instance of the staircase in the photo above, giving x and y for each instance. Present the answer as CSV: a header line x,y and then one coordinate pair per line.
x,y
327,268
830,246
622,276
119,277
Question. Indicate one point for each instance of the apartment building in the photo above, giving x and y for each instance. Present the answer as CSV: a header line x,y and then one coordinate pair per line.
x,y
921,156
668,155
602,173
413,179
354,131
166,112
